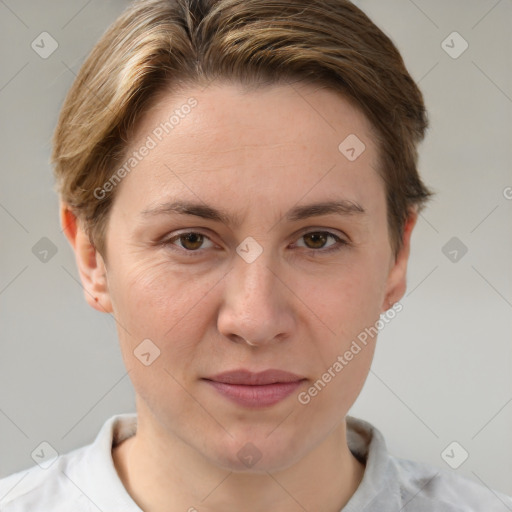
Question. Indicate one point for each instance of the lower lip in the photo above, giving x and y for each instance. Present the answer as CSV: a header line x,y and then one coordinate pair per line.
x,y
256,396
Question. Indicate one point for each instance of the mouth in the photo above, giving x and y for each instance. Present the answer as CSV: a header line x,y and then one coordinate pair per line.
x,y
251,389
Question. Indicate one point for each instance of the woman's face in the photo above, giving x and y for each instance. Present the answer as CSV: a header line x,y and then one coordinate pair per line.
x,y
262,286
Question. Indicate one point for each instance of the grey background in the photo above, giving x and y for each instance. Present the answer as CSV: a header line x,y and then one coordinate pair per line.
x,y
443,368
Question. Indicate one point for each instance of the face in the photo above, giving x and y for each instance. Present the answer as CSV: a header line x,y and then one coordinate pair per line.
x,y
247,275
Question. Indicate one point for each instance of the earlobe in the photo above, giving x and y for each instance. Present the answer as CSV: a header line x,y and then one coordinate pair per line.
x,y
91,266
397,277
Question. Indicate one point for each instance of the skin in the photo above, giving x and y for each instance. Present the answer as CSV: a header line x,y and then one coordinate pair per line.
x,y
256,154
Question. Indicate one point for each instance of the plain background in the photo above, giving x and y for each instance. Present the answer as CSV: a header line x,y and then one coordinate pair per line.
x,y
443,368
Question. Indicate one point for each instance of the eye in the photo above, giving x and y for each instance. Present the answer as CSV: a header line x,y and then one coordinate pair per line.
x,y
316,240
190,241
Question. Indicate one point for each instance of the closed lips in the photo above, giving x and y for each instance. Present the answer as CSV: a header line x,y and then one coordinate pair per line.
x,y
248,378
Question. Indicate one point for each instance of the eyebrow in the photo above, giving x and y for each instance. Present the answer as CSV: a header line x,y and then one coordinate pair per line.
x,y
343,207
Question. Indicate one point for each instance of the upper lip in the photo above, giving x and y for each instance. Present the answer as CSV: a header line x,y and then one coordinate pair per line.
x,y
248,378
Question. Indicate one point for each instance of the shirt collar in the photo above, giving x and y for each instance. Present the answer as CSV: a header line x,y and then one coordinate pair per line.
x,y
96,475
378,490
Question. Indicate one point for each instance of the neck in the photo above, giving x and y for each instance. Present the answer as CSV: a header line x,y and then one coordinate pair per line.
x,y
166,474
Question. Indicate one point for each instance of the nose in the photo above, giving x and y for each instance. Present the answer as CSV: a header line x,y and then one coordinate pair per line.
x,y
257,308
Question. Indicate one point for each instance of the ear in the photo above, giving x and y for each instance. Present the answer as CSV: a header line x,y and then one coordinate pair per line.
x,y
397,277
91,266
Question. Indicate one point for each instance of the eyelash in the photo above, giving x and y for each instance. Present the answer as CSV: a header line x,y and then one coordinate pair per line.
x,y
340,243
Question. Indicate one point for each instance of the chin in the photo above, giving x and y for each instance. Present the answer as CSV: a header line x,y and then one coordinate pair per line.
x,y
255,454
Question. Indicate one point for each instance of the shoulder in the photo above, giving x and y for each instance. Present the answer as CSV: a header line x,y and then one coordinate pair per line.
x,y
82,480
432,488
38,489
391,483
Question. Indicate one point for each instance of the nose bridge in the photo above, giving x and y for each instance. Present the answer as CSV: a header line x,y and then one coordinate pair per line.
x,y
254,305
253,279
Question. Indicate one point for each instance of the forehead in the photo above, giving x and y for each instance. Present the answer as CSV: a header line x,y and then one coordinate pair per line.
x,y
275,143
222,108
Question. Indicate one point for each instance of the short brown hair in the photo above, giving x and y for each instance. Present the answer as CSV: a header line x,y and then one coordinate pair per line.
x,y
156,45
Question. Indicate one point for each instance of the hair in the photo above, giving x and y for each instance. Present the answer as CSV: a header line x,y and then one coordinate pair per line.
x,y
159,45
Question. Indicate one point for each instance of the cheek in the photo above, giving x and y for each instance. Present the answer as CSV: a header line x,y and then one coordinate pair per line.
x,y
343,356
349,298
349,304
153,301
154,288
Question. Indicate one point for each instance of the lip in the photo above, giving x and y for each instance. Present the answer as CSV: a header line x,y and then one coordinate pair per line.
x,y
251,389
248,378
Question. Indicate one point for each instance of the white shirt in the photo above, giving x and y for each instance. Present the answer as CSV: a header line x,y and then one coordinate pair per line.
x,y
85,480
